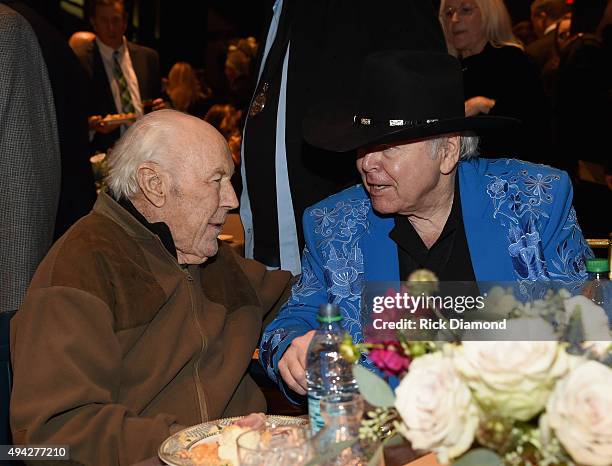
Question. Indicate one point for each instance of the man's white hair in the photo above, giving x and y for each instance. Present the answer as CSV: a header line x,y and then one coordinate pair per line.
x,y
468,145
152,138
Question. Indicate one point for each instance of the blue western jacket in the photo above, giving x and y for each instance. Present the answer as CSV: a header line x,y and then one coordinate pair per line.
x,y
519,222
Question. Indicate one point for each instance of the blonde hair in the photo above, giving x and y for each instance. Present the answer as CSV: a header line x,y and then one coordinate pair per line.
x,y
183,86
240,56
496,22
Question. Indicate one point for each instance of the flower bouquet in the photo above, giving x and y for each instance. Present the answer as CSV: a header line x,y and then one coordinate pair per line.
x,y
508,403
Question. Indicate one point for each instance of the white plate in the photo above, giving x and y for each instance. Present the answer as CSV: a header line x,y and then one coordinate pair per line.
x,y
205,433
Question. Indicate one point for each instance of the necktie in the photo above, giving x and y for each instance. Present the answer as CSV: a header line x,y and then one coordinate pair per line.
x,y
126,99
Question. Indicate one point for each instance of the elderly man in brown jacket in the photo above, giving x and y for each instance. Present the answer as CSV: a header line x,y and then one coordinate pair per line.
x,y
137,323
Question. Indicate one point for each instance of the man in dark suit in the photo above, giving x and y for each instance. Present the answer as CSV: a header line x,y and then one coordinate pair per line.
x,y
123,75
311,55
544,17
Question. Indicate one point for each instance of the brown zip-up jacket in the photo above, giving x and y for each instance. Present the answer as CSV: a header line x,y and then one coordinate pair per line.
x,y
117,346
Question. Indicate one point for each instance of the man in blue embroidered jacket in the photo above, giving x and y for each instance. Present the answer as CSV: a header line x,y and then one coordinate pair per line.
x,y
426,201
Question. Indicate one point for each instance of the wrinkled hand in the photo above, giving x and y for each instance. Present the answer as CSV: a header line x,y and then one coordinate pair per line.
x,y
96,124
477,105
292,366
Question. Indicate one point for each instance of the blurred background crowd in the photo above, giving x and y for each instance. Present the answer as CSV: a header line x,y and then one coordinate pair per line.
x,y
546,62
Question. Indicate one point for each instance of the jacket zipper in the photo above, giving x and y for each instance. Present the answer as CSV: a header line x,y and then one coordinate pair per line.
x,y
196,366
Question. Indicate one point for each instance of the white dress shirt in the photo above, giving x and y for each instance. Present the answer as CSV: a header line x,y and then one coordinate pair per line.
x,y
128,71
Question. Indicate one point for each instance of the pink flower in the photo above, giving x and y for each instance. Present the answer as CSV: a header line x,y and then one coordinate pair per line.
x,y
389,358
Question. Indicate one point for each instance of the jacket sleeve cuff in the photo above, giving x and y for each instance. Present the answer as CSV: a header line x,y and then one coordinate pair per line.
x,y
274,343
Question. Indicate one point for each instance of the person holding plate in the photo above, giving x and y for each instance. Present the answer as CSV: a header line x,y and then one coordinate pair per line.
x,y
426,200
123,76
139,322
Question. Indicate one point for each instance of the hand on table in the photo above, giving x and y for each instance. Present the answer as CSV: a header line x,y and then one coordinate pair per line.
x,y
292,366
477,105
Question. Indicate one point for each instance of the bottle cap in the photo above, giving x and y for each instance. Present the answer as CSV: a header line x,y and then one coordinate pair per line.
x,y
329,313
597,265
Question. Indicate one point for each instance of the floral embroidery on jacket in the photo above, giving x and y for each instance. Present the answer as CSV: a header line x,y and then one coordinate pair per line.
x,y
571,252
308,283
519,195
520,201
270,344
342,256
526,252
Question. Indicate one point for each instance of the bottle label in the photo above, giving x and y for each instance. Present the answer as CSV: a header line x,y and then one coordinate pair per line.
x,y
314,413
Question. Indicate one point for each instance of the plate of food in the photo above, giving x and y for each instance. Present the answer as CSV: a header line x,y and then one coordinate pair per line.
x,y
213,443
118,118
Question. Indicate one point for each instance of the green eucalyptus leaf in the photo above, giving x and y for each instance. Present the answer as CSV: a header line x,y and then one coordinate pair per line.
x,y
373,388
332,452
479,457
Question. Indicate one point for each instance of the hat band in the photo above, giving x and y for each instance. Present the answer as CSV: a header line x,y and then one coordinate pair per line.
x,y
366,121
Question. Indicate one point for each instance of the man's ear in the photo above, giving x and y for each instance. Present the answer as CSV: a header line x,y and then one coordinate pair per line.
x,y
152,183
449,154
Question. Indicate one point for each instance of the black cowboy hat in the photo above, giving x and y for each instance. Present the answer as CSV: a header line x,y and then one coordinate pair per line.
x,y
401,95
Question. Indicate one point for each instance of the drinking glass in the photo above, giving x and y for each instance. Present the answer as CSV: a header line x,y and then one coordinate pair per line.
x,y
342,413
274,446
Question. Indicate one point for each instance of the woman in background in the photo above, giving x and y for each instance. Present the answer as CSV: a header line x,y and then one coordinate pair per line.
x,y
185,90
498,77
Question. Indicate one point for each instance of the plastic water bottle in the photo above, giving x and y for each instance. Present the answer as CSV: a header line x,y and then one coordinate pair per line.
x,y
327,372
594,289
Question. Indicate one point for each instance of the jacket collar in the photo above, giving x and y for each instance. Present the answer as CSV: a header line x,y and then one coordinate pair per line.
x,y
107,206
472,187
487,237
160,229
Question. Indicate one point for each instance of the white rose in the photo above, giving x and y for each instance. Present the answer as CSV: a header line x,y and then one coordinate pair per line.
x,y
512,378
594,319
580,413
436,407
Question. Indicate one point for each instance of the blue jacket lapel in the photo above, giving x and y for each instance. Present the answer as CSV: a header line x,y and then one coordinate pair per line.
x,y
487,238
380,252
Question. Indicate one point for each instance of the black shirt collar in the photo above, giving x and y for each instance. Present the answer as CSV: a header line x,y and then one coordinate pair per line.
x,y
160,229
407,237
449,257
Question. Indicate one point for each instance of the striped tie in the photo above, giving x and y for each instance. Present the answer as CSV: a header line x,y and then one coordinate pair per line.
x,y
126,99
